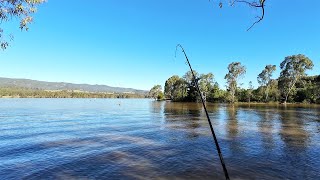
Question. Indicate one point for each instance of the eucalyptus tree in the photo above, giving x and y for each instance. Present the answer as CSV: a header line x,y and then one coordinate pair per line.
x,y
155,92
264,78
19,9
217,94
293,69
274,93
176,88
250,90
188,77
180,90
192,93
170,86
206,84
236,70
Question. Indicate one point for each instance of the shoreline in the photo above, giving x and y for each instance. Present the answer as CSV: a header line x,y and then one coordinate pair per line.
x,y
178,102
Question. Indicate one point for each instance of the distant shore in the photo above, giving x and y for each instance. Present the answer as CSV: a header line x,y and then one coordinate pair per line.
x,y
14,92
16,97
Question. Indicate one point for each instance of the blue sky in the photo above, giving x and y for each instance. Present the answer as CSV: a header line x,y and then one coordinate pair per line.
x,y
132,43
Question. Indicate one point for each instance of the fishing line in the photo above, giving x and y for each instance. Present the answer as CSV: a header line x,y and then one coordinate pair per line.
x,y
208,118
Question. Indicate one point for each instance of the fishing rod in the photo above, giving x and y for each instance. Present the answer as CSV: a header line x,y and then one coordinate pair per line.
x,y
208,118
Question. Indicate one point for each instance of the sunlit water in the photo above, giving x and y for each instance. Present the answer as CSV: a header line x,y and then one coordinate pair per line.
x,y
144,139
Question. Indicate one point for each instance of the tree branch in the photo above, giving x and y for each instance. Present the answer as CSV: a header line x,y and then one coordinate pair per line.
x,y
255,5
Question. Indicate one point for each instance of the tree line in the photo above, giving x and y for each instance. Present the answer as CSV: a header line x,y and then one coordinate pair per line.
x,y
293,85
15,92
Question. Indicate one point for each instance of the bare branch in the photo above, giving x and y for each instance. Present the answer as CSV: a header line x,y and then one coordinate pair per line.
x,y
255,4
252,4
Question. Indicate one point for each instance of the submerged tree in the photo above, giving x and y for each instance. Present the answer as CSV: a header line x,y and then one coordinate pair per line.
x,y
264,79
250,90
236,70
170,86
192,93
180,90
175,88
206,84
20,9
184,89
293,69
217,94
156,92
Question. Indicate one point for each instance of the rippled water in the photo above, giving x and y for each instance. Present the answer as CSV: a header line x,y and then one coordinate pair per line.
x,y
143,139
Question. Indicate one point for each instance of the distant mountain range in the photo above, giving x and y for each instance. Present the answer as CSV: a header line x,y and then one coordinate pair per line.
x,y
43,85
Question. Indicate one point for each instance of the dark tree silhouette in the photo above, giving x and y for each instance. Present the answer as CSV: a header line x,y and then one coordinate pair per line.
x,y
259,4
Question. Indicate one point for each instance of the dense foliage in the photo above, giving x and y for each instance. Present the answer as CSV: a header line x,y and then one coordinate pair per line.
x,y
156,92
16,9
292,86
236,70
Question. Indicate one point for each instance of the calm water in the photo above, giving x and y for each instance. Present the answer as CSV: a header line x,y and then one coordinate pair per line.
x,y
143,139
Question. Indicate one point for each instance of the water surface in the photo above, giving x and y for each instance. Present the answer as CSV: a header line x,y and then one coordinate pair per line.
x,y
143,139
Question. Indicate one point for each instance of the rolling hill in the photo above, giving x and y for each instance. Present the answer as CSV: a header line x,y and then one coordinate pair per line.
x,y
54,86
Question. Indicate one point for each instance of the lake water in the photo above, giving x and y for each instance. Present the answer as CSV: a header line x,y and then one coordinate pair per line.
x,y
144,139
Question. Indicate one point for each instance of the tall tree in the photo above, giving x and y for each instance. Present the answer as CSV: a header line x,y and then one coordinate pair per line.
x,y
20,9
192,93
236,70
180,90
274,94
264,78
250,90
293,69
216,94
176,88
206,84
155,91
170,86
189,77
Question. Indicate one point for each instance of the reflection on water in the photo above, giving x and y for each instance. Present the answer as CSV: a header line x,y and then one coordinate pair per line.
x,y
144,139
292,128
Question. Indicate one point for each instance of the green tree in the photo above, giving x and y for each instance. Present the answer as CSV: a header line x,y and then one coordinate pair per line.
x,y
170,86
242,95
155,91
274,94
18,9
293,69
160,96
192,93
236,70
180,90
264,79
217,94
176,88
249,91
206,84
308,90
